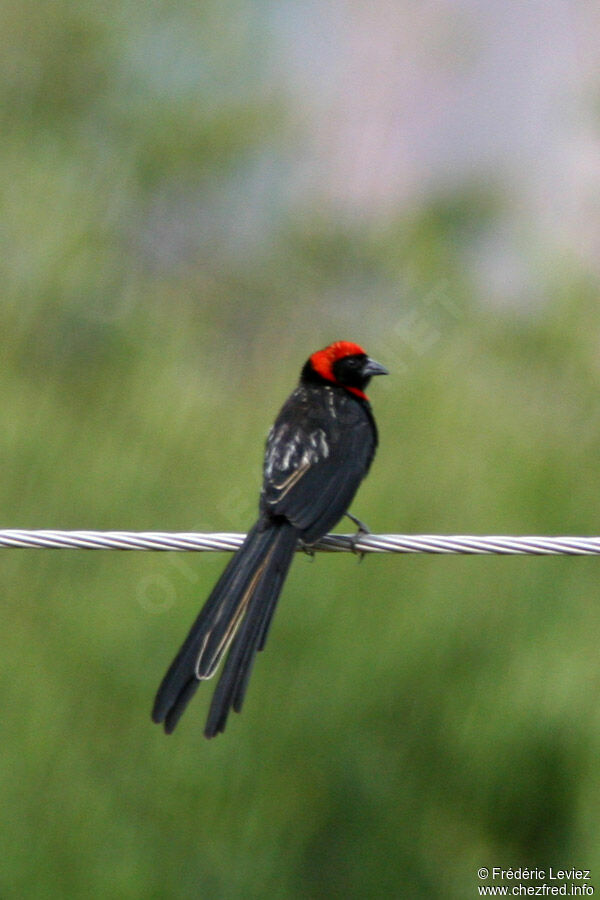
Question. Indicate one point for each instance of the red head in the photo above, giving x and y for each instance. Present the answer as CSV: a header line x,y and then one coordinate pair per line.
x,y
345,364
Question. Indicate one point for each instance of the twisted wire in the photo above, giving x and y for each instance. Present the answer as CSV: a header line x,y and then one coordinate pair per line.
x,y
363,543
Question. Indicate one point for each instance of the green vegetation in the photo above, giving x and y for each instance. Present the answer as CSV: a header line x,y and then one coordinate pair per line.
x,y
412,719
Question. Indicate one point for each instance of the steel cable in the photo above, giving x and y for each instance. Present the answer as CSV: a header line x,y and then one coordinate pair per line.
x,y
363,543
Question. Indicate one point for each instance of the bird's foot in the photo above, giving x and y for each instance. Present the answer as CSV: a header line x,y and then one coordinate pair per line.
x,y
309,549
361,531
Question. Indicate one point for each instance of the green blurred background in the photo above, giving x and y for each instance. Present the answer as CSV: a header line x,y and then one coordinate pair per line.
x,y
195,197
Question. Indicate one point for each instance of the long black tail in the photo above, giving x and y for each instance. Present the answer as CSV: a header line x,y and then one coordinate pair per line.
x,y
237,614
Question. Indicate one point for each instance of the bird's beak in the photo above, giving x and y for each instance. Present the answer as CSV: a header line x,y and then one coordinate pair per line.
x,y
372,367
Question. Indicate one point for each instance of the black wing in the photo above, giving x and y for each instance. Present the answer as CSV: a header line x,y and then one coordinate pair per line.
x,y
318,451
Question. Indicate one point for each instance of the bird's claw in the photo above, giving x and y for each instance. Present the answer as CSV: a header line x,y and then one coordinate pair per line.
x,y
361,531
309,549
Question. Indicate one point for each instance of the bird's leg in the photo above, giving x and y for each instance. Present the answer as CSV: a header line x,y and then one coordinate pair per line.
x,y
361,530
309,549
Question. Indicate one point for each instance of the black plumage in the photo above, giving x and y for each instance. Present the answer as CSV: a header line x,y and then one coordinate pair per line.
x,y
318,451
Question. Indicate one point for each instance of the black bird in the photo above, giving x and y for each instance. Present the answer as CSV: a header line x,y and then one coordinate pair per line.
x,y
317,453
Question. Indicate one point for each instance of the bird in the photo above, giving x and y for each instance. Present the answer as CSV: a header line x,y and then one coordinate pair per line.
x,y
317,452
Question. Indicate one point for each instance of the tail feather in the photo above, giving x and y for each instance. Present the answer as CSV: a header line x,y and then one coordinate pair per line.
x,y
231,689
192,651
195,659
237,613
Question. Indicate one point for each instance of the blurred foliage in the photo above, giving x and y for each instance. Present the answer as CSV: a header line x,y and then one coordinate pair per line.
x,y
412,719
